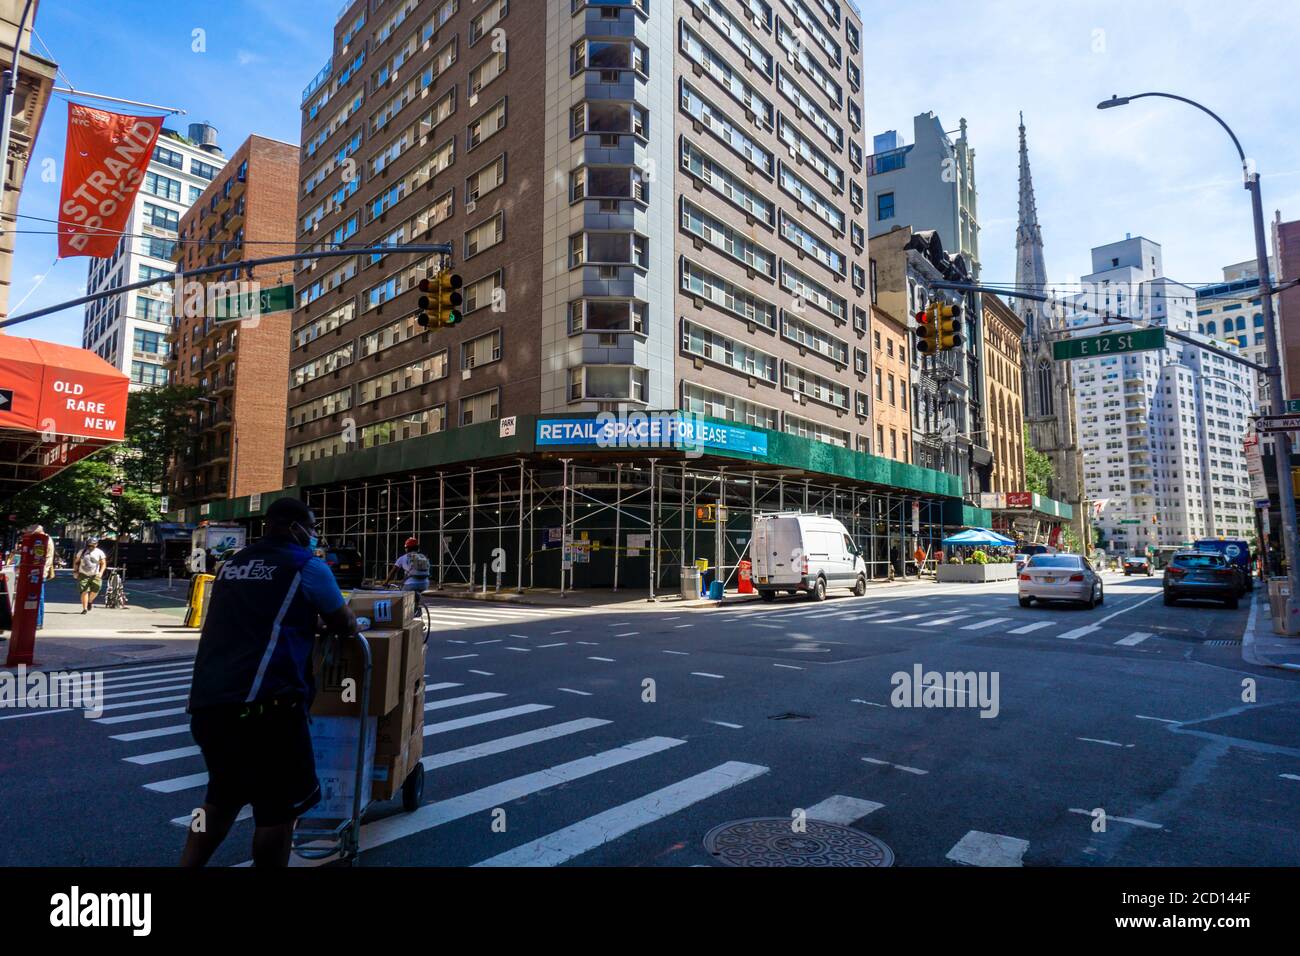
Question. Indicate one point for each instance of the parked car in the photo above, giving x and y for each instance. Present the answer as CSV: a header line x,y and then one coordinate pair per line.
x,y
804,552
1236,551
347,566
1060,577
1201,574
1137,564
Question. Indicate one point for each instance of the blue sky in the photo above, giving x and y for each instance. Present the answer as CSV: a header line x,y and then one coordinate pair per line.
x,y
1155,168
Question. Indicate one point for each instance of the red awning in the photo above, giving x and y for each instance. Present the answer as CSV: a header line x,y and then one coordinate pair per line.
x,y
58,404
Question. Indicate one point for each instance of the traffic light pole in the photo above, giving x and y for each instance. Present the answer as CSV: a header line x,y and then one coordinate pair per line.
x,y
426,248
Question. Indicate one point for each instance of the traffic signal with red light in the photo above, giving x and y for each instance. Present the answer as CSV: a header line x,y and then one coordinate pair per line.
x,y
927,342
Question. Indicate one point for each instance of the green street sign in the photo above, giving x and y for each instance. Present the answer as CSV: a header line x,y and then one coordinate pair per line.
x,y
277,298
1293,406
1113,343
1131,521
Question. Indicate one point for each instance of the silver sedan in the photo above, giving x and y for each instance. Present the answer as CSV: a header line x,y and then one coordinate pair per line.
x,y
1060,577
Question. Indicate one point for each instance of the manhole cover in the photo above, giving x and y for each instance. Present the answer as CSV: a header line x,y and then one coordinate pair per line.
x,y
769,841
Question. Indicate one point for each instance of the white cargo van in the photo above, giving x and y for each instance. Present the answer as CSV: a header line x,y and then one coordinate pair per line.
x,y
800,552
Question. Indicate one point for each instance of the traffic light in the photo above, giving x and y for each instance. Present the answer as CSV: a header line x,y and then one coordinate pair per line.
x,y
947,321
927,329
440,301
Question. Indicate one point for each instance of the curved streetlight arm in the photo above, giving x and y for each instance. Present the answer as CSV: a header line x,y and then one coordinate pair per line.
x,y
1124,101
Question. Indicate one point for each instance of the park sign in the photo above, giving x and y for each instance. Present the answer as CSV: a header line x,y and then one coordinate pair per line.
x,y
1113,343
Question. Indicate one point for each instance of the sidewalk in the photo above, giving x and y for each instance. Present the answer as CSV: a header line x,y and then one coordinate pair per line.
x,y
104,637
1260,646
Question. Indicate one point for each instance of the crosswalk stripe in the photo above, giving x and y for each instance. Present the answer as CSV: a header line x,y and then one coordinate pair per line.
x,y
159,756
940,621
148,715
1137,637
441,812
171,672
147,691
171,699
150,734
1030,628
841,809
177,784
978,848
980,625
572,841
474,720
513,742
458,701
445,685
1079,632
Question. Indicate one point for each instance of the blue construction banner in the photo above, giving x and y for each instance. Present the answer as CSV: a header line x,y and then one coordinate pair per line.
x,y
650,430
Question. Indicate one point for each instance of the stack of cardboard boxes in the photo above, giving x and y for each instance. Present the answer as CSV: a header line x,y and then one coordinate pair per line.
x,y
395,632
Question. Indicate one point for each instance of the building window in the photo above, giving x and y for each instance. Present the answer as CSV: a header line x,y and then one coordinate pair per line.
x,y
885,206
485,235
483,407
168,157
483,350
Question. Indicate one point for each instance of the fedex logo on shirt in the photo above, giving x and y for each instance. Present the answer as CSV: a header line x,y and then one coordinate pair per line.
x,y
257,570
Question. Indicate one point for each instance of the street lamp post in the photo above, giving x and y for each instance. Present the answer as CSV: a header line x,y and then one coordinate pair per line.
x,y
1282,440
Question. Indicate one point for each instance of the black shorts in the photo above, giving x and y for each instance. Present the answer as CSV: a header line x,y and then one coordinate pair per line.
x,y
263,757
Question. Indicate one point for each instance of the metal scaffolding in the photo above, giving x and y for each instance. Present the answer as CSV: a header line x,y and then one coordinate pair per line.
x,y
625,524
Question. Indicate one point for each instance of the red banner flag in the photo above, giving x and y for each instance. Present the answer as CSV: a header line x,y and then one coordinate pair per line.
x,y
103,168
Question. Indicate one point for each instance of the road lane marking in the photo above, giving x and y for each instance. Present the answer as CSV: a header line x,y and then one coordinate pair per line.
x,y
1079,632
1160,719
495,640
481,673
169,712
158,677
679,653
905,617
588,643
1108,743
841,810
585,835
980,625
502,744
561,632
150,734
723,723
474,720
1289,776
458,701
177,784
556,644
1030,628
445,685
896,766
40,713
441,812
570,690
459,657
524,650
978,848
607,660
628,634
159,756
1137,637
869,703
939,622
706,674
684,625
1129,820
142,703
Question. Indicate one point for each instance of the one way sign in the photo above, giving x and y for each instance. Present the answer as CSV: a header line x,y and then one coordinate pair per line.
x,y
6,399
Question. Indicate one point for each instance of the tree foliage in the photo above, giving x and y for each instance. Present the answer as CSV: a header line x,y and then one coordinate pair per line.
x,y
1038,469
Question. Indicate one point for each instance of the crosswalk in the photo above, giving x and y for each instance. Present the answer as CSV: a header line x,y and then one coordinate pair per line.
x,y
517,752
983,622
462,615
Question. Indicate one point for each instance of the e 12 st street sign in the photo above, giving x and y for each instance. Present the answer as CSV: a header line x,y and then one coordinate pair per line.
x,y
1113,343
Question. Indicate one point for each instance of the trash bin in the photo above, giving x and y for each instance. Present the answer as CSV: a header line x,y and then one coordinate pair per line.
x,y
1279,589
706,581
715,590
690,583
745,578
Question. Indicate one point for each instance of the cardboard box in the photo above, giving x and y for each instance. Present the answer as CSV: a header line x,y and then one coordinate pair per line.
x,y
414,655
390,771
395,726
338,687
383,609
334,746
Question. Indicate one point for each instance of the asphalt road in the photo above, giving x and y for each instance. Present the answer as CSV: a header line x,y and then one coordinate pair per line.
x,y
555,736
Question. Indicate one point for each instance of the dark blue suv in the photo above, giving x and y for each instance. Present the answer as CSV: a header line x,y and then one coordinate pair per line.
x,y
1236,552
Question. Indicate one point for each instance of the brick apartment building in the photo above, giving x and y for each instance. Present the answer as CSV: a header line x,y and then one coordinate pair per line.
x,y
1004,393
886,358
654,204
247,212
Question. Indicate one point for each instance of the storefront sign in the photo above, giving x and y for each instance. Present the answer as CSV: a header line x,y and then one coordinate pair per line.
x,y
650,430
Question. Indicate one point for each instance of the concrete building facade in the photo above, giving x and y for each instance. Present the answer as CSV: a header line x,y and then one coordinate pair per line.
x,y
239,366
1003,394
887,356
1161,430
130,330
927,184
1231,311
654,206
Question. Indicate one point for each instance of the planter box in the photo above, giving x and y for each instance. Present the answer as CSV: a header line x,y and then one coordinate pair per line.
x,y
975,573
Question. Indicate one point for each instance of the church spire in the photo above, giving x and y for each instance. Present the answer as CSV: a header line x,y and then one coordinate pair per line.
x,y
1031,270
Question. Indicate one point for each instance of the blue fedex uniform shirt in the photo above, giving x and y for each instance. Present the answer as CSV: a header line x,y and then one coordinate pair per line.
x,y
261,625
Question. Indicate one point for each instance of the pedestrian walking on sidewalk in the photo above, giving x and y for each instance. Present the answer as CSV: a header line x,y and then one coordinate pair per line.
x,y
412,568
88,567
253,686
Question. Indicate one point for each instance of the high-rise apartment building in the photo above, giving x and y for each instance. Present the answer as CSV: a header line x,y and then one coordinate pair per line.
x,y
1161,430
654,204
240,366
1231,311
130,330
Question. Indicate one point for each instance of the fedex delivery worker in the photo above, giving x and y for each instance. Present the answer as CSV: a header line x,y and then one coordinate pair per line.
x,y
253,685
412,567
